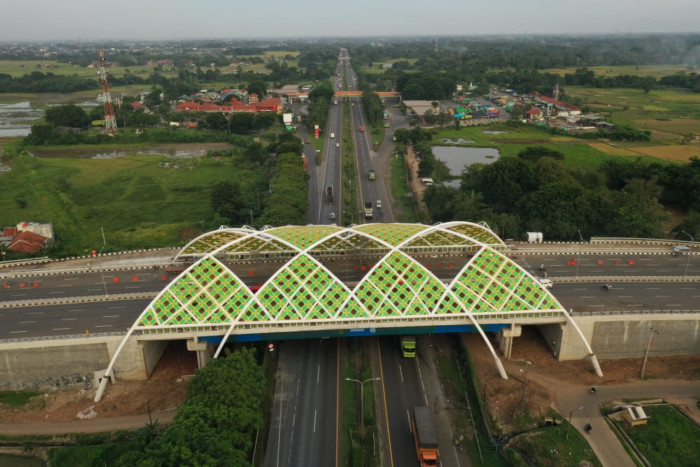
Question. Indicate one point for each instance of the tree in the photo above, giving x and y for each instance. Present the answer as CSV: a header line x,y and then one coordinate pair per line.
x,y
227,201
69,115
256,153
257,87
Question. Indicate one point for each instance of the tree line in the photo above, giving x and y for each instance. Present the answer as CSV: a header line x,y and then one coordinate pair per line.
x,y
537,191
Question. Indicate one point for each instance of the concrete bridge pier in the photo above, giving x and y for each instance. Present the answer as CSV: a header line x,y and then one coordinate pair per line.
x,y
505,339
204,351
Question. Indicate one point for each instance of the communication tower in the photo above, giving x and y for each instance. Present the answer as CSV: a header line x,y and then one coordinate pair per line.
x,y
110,120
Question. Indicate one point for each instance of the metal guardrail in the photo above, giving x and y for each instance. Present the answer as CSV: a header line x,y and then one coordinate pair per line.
x,y
633,312
603,277
83,299
21,262
16,340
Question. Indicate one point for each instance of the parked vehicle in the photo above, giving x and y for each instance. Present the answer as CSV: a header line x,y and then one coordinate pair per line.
x,y
425,437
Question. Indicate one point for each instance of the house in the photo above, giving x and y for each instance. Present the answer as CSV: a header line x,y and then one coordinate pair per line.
x,y
533,114
27,242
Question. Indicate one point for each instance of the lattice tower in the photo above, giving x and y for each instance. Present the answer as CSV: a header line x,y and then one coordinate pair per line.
x,y
110,120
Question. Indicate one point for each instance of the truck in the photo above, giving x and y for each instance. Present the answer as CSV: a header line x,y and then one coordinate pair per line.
x,y
372,175
329,194
362,128
332,135
425,437
368,210
408,346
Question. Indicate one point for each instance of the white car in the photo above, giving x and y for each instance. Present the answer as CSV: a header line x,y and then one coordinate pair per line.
x,y
331,216
547,283
337,145
379,204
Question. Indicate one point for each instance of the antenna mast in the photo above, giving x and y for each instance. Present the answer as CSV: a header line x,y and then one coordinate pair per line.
x,y
110,120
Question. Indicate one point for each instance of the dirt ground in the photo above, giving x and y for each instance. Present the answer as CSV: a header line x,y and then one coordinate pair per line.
x,y
509,400
165,390
414,184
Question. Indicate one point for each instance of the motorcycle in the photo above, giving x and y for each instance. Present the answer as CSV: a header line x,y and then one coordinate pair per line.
x,y
588,428
593,390
606,286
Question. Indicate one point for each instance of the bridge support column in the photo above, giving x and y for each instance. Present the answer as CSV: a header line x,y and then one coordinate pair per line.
x,y
203,349
505,339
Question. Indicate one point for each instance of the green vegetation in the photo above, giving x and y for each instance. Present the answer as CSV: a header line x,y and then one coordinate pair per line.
x,y
669,438
140,201
216,424
358,437
551,446
351,210
407,212
16,399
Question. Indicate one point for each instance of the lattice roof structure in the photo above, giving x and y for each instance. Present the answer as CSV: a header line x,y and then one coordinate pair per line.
x,y
396,290
209,294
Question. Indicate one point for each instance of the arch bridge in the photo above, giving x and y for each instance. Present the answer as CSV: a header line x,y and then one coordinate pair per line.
x,y
326,278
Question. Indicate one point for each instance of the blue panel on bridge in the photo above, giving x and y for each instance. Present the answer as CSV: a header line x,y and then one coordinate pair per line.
x,y
363,332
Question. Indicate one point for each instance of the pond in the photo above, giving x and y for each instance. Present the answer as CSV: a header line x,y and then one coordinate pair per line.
x,y
16,119
455,158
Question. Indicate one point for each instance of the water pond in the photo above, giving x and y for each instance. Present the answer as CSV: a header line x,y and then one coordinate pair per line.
x,y
456,157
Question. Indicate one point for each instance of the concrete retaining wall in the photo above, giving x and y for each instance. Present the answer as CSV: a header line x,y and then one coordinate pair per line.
x,y
625,336
41,365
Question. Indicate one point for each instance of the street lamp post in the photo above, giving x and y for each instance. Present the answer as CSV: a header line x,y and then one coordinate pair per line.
x,y
687,263
652,332
362,401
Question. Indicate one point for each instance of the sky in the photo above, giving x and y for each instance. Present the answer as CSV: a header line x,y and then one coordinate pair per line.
x,y
83,20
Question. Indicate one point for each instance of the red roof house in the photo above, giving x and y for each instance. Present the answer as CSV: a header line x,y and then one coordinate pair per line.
x,y
27,242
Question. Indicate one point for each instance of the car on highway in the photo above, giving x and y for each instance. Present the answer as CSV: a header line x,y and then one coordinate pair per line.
x,y
547,283
331,216
379,204
337,145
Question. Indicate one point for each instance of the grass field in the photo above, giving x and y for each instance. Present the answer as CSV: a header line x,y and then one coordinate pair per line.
x,y
668,113
16,398
656,71
138,200
669,439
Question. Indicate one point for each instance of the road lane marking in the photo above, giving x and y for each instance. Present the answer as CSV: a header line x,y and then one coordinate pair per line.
x,y
688,288
652,288
35,313
663,296
588,297
635,305
19,295
76,310
111,316
27,322
57,291
103,326
60,329
624,296
95,290
115,307
673,304
318,374
133,287
17,332
68,319
66,285
70,279
314,420
583,288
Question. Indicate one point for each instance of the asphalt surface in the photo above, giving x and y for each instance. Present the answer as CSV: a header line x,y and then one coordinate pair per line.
x,y
304,414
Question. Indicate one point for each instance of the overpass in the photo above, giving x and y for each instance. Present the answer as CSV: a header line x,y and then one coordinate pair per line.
x,y
396,288
382,94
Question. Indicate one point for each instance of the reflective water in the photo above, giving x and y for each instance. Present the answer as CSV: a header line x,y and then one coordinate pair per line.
x,y
456,157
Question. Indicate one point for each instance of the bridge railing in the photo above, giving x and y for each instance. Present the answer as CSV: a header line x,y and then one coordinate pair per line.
x,y
634,312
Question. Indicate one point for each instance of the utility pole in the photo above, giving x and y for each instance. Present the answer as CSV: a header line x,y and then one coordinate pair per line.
x,y
652,331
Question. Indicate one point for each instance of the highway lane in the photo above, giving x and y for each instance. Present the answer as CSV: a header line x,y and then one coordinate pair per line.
x,y
68,320
628,296
332,164
83,284
402,392
610,265
304,428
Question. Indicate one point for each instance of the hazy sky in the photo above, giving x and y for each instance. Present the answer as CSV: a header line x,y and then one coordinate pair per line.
x,y
23,20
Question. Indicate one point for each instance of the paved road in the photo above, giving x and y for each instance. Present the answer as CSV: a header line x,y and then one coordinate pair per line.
x,y
583,407
304,420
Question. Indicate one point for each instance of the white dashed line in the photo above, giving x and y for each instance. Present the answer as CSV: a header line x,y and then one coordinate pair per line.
x,y
68,319
103,326
27,322
60,329
111,316
17,332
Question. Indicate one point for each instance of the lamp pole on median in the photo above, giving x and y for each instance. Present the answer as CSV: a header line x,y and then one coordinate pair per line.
x,y
362,400
652,332
571,414
687,263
